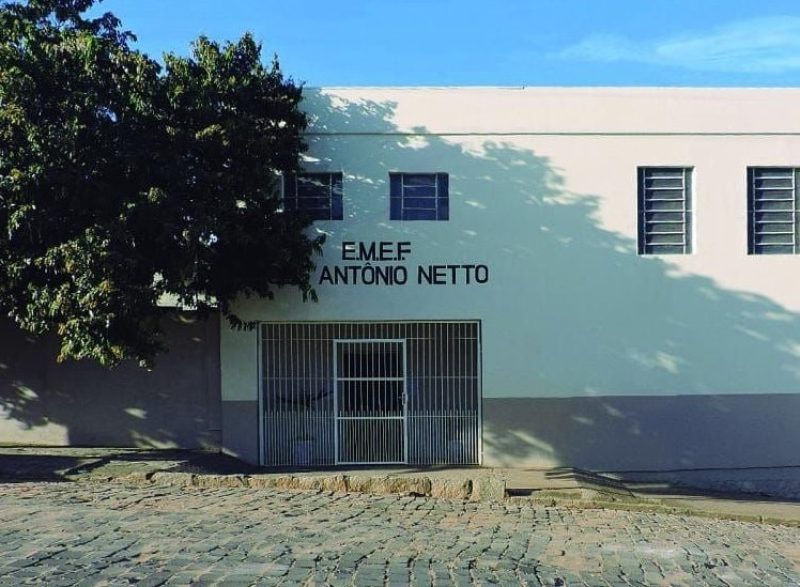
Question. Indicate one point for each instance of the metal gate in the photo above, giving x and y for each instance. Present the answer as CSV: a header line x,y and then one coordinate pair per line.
x,y
370,392
370,401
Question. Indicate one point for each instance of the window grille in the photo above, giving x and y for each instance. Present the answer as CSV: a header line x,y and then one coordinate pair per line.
x,y
665,210
370,392
772,210
317,194
419,196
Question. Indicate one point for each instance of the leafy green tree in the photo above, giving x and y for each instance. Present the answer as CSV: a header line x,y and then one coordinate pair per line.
x,y
122,182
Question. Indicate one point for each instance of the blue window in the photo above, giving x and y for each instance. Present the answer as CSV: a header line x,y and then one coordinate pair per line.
x,y
419,196
317,194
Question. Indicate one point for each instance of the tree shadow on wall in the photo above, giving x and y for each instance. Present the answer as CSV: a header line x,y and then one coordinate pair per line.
x,y
82,403
592,319
663,364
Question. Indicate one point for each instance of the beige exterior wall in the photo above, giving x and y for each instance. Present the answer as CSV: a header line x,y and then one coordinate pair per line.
x,y
543,192
176,405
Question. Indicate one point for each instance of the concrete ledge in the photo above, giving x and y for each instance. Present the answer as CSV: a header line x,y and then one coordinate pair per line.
x,y
481,488
560,487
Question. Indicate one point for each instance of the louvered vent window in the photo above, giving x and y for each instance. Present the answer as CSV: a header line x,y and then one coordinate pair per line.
x,y
772,210
665,210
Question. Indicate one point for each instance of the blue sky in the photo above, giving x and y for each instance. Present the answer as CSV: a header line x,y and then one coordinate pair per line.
x,y
494,42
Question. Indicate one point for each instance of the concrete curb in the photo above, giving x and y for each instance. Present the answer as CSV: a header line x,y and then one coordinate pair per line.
x,y
481,489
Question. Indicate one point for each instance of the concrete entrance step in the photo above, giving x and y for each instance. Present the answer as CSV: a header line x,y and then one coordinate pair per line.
x,y
527,482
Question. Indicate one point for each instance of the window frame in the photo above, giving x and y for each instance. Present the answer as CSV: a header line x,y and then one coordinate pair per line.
x,y
291,199
688,212
397,197
752,221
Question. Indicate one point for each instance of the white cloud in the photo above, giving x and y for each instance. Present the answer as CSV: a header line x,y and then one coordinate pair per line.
x,y
760,45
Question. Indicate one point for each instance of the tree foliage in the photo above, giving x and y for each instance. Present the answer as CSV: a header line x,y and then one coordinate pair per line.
x,y
122,181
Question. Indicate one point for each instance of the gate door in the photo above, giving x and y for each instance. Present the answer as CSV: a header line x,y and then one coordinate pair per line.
x,y
370,401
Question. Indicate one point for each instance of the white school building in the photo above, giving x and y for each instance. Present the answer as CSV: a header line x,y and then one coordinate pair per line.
x,y
596,277
605,278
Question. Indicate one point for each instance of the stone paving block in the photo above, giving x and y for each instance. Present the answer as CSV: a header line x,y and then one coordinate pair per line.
x,y
236,535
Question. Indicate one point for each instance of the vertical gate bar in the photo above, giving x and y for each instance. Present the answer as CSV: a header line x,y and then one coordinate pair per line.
x,y
352,367
353,389
276,343
297,363
403,392
277,423
411,422
385,360
319,431
432,388
280,406
325,375
383,424
280,423
464,420
464,410
437,371
341,390
266,349
285,396
437,390
463,345
469,410
452,391
423,390
327,345
447,383
386,365
304,391
466,405
260,391
315,393
311,395
335,402
292,383
270,398
266,372
390,352
390,358
302,399
440,399
443,373
298,382
371,400
454,377
319,385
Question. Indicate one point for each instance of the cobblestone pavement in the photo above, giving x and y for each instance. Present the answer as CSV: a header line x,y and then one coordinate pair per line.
x,y
95,533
